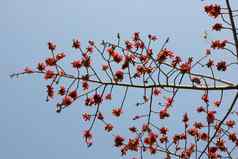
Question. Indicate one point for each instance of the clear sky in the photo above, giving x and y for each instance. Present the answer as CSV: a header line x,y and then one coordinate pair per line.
x,y
29,127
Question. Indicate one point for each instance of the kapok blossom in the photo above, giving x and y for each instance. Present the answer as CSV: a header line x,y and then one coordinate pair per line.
x,y
119,75
49,74
86,116
51,61
67,100
77,64
73,94
76,44
117,112
217,27
41,66
108,127
51,46
118,141
213,10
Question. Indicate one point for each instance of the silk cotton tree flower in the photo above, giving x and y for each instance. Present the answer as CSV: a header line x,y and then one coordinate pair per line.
x,y
102,73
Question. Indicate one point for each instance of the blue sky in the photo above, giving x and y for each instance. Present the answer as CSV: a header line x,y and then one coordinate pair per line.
x,y
30,128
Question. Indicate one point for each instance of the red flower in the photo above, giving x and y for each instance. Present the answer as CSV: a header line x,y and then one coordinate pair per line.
x,y
97,98
211,116
200,109
108,96
198,125
62,90
50,91
230,123
117,112
86,62
163,114
133,129
136,36
156,91
85,85
86,116
49,74
119,75
77,64
217,44
108,127
217,103
232,136
213,10
100,116
89,101
118,141
185,118
151,139
145,128
73,94
105,67
76,44
51,46
67,100
203,136
163,139
41,66
205,98
210,63
88,137
164,130
185,67
50,61
164,54
221,66
152,149
217,27
193,131
116,56
60,56
133,144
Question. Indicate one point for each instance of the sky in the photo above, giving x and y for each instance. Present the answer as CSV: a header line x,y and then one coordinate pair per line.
x,y
30,128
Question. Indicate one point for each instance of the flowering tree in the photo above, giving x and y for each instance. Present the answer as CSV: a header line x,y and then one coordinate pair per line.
x,y
160,74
